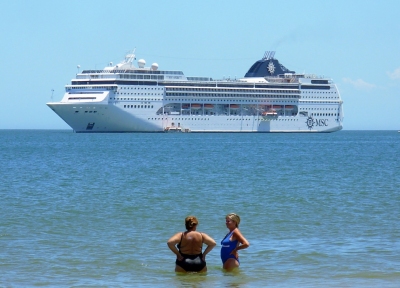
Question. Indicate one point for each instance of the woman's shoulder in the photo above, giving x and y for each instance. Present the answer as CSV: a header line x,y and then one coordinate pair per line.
x,y
236,231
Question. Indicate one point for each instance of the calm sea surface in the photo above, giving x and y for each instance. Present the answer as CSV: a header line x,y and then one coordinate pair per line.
x,y
96,210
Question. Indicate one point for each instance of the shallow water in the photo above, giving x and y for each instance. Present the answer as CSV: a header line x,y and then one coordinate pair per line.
x,y
79,210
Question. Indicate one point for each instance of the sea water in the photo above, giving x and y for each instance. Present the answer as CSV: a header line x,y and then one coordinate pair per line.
x,y
96,210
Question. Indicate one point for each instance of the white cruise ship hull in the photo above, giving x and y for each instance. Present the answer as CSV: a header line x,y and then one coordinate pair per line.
x,y
111,118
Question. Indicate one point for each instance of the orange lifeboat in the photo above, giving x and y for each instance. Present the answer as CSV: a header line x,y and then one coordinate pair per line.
x,y
288,107
277,107
208,106
234,106
196,106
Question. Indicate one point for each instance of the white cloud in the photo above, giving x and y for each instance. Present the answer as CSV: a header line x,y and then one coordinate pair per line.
x,y
395,74
359,84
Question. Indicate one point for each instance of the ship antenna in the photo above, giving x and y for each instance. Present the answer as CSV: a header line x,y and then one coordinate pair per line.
x,y
268,55
130,56
52,92
272,54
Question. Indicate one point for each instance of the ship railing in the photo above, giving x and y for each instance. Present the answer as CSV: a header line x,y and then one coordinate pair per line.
x,y
136,71
296,76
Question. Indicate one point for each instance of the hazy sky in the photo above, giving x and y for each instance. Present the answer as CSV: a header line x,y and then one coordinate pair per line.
x,y
356,43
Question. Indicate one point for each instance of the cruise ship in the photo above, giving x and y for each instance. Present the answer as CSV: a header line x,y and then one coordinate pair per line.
x,y
135,98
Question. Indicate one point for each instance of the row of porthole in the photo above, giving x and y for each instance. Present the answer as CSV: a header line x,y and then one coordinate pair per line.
x,y
138,106
317,97
133,99
324,114
280,119
91,87
119,93
76,111
313,102
305,92
141,88
261,119
179,118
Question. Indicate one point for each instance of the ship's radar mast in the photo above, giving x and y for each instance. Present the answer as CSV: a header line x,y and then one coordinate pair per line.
x,y
127,63
129,57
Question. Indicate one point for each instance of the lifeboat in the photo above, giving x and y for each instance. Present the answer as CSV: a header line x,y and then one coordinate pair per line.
x,y
208,106
269,114
234,106
185,106
196,106
288,107
277,107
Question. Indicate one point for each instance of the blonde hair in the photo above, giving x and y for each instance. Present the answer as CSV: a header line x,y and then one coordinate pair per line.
x,y
234,217
190,222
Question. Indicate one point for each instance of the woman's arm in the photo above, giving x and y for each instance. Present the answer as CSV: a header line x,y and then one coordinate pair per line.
x,y
237,235
210,242
172,244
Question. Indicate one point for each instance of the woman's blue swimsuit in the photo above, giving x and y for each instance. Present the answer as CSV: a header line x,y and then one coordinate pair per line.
x,y
227,246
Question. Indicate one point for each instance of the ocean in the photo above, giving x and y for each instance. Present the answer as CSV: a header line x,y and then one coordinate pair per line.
x,y
96,210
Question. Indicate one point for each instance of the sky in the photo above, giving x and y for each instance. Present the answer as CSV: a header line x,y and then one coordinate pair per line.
x,y
354,42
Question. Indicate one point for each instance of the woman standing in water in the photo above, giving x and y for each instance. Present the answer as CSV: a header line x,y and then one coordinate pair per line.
x,y
188,245
232,242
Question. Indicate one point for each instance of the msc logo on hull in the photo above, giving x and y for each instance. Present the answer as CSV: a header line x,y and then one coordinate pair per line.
x,y
316,122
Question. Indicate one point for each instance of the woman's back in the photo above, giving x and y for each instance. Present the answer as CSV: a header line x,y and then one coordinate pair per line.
x,y
191,243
